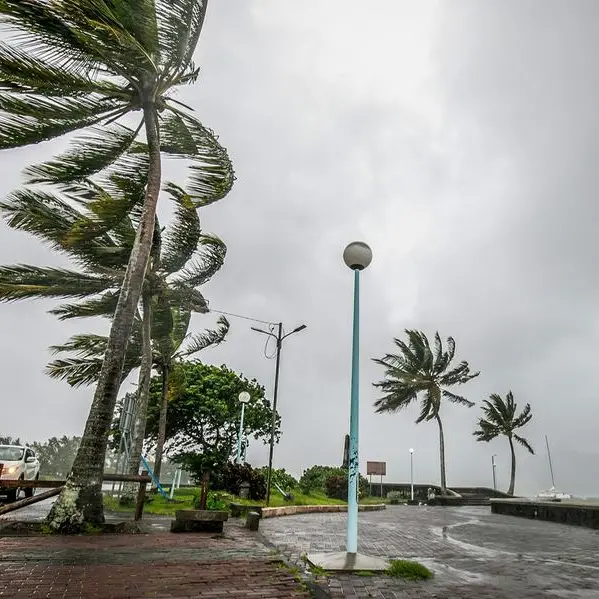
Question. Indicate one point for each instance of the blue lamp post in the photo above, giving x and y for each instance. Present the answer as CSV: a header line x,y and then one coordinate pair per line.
x,y
357,256
244,398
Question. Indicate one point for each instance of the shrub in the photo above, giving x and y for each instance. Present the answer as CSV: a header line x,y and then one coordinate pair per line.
x,y
281,477
395,496
214,501
335,485
231,477
401,568
313,478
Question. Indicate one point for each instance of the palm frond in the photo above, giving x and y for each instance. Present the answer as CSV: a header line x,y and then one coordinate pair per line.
x,y
208,338
24,282
182,237
104,305
208,262
179,25
87,156
211,172
452,397
522,441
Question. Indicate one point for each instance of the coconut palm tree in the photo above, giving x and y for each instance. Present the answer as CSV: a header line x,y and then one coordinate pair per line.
x,y
80,63
170,293
500,418
419,372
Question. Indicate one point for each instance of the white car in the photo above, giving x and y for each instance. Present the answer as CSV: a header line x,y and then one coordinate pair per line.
x,y
19,463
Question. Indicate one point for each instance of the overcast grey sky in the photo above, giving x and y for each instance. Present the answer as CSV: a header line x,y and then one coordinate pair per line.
x,y
459,140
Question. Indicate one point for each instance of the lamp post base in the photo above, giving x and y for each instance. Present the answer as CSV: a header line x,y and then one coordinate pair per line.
x,y
347,562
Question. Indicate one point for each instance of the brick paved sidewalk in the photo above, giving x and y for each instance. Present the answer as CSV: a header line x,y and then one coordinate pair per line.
x,y
142,565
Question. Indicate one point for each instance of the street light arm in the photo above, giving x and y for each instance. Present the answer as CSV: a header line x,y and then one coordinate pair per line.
x,y
264,332
296,330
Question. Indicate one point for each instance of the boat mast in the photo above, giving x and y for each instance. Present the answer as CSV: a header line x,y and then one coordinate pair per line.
x,y
550,464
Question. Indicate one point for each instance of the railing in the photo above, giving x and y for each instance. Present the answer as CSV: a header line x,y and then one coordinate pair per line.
x,y
56,485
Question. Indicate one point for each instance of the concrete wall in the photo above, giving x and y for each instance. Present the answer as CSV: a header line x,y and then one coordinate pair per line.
x,y
576,514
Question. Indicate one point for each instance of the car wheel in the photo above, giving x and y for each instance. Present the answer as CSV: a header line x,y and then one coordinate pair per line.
x,y
30,491
11,495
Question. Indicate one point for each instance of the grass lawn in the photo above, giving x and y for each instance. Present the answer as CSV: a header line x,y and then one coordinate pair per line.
x,y
183,500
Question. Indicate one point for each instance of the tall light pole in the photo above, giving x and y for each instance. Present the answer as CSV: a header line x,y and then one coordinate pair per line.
x,y
244,398
357,256
279,337
494,468
412,473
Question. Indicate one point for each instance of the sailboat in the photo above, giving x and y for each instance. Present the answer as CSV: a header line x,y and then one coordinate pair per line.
x,y
552,494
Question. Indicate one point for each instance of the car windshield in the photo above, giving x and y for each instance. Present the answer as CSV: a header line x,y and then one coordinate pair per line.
x,y
11,454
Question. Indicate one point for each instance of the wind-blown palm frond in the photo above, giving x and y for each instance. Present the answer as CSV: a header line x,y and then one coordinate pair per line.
x,y
181,238
23,282
85,366
86,157
201,341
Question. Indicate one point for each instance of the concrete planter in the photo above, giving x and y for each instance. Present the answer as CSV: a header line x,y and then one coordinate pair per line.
x,y
199,521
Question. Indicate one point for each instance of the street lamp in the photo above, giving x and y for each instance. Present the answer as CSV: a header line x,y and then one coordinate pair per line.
x,y
494,468
279,339
357,256
244,398
412,473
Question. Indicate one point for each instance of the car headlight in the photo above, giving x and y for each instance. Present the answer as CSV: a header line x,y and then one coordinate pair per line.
x,y
12,469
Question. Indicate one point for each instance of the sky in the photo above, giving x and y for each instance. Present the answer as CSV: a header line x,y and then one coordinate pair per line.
x,y
458,140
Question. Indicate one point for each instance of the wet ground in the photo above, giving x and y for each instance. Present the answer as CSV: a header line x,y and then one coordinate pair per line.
x,y
473,553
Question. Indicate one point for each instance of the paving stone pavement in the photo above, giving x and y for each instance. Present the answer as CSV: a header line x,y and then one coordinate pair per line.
x,y
144,565
474,554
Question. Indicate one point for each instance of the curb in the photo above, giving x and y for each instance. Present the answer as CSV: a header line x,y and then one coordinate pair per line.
x,y
292,510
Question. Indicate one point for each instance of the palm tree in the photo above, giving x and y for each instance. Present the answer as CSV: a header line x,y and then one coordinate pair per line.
x,y
418,372
170,292
80,63
500,419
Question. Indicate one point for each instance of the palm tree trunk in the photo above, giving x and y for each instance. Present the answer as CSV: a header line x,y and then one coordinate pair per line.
x,y
442,456
143,395
80,502
510,491
162,422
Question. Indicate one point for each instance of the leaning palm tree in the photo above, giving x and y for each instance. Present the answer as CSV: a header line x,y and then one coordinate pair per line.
x,y
170,294
76,64
419,372
500,418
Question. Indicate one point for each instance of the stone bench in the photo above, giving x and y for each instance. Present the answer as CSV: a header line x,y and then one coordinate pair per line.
x,y
199,521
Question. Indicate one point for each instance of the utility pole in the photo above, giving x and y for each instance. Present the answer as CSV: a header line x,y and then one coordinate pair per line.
x,y
279,337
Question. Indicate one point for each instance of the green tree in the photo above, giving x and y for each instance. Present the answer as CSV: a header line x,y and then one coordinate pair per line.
x,y
204,410
419,372
78,63
8,440
56,455
501,418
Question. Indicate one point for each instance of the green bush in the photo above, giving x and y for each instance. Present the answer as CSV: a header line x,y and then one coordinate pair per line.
x,y
401,568
314,478
281,477
214,501
232,476
335,485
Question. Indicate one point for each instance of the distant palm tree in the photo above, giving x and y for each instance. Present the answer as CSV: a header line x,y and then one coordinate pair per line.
x,y
76,64
501,419
418,372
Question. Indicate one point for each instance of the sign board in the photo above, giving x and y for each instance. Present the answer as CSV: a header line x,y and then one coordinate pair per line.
x,y
376,468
